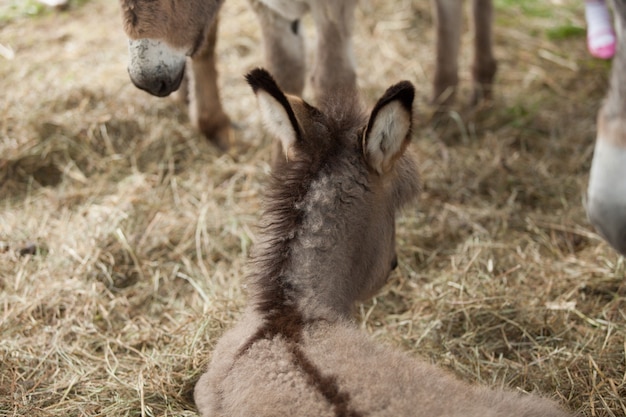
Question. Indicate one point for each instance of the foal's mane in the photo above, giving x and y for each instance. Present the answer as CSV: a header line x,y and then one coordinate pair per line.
x,y
289,184
338,124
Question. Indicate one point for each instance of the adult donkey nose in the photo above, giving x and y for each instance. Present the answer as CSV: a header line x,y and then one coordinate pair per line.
x,y
160,86
155,67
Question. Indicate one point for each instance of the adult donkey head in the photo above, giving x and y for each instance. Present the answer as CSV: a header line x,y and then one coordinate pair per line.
x,y
162,33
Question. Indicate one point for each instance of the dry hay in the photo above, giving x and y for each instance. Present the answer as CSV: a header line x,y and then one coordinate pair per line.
x,y
123,233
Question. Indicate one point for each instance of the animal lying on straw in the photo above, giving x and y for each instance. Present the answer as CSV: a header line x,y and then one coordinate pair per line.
x,y
326,241
162,36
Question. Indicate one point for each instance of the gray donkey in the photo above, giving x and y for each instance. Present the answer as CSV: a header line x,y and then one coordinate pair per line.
x,y
327,239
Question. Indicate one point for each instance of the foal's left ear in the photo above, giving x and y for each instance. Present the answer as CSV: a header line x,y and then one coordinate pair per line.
x,y
388,131
276,111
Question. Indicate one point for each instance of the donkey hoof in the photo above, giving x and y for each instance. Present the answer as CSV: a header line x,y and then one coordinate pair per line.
x,y
221,135
482,94
443,96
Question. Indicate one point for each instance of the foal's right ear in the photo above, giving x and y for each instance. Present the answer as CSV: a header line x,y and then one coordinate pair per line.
x,y
389,129
276,112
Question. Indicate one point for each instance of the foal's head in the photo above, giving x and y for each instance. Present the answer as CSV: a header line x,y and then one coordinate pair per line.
x,y
329,228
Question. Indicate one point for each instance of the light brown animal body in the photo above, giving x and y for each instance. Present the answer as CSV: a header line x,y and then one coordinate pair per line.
x,y
163,36
606,205
327,240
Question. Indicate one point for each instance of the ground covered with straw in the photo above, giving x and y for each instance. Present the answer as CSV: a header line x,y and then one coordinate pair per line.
x,y
124,233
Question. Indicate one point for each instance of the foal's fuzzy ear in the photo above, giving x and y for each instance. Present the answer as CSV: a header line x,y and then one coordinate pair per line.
x,y
276,112
389,129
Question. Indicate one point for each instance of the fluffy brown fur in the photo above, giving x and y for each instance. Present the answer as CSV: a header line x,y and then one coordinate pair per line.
x,y
327,240
181,24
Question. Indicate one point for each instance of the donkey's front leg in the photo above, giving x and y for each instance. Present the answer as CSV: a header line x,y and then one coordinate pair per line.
x,y
284,47
448,17
334,68
484,67
205,107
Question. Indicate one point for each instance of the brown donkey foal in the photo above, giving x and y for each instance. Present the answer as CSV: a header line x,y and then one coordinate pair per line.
x,y
326,241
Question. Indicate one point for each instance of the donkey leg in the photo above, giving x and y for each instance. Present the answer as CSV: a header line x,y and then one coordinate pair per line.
x,y
334,60
484,67
205,107
448,17
284,47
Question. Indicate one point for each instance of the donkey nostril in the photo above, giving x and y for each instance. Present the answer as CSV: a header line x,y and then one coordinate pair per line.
x,y
295,27
163,89
394,263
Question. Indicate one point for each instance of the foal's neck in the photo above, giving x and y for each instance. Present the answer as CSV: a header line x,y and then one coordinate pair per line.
x,y
300,259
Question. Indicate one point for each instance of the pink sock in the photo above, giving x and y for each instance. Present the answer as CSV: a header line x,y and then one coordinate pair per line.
x,y
600,35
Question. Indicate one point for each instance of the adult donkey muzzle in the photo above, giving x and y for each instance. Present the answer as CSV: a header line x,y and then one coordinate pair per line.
x,y
155,67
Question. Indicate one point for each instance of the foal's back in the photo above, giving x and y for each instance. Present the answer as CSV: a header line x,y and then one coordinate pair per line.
x,y
337,370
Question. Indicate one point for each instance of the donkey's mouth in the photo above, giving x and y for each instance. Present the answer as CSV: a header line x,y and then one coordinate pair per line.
x,y
159,86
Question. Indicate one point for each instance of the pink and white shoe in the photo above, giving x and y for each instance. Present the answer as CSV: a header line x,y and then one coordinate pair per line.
x,y
602,44
601,40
